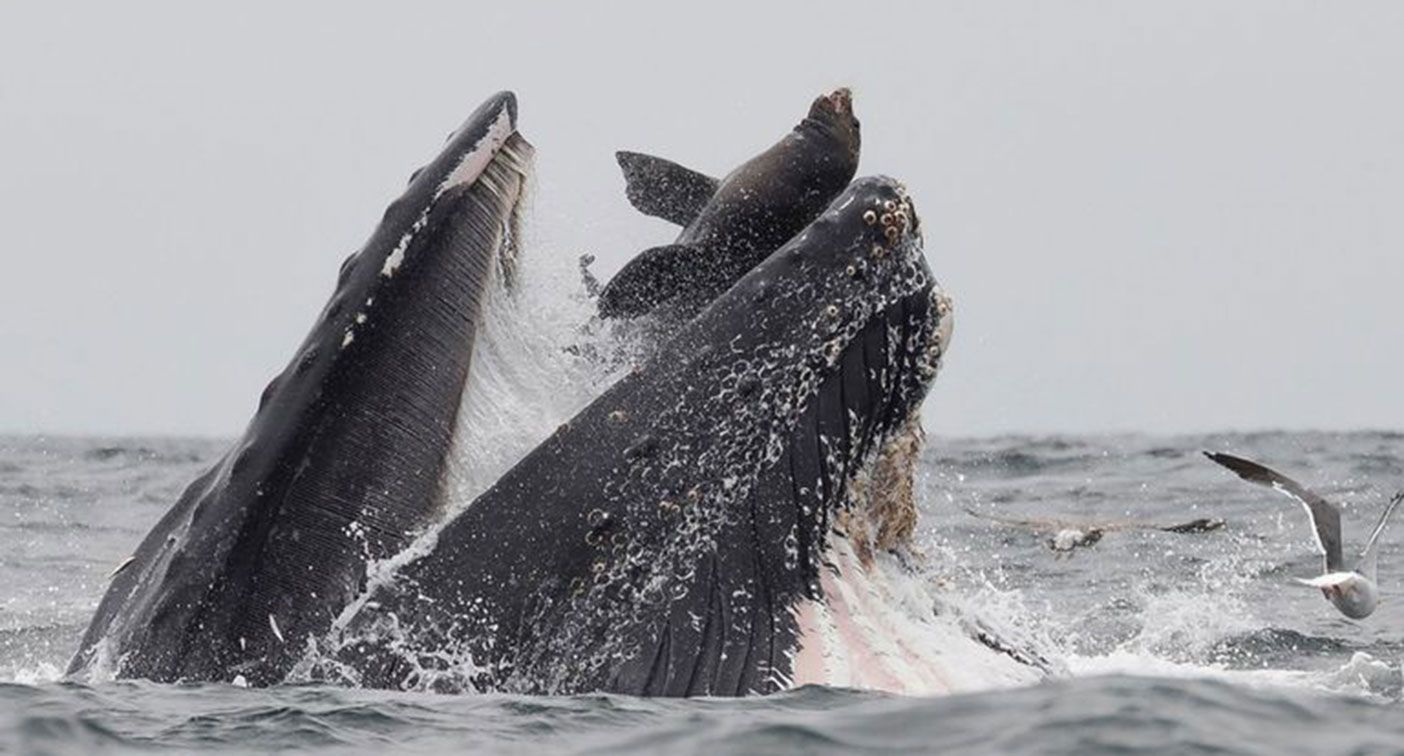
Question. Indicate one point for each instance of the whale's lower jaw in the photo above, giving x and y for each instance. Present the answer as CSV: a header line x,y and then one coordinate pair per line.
x,y
344,460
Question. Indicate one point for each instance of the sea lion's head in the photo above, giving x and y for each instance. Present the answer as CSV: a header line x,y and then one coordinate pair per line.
x,y
833,114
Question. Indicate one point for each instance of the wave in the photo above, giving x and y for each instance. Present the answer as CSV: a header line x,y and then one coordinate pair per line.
x,y
1123,714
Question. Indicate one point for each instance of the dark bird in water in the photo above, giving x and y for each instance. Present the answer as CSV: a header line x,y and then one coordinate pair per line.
x,y
1352,591
1063,536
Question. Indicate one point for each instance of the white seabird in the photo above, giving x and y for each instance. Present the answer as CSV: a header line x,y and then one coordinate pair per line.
x,y
1354,591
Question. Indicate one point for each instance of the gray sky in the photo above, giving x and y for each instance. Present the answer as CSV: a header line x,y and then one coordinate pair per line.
x,y
1158,217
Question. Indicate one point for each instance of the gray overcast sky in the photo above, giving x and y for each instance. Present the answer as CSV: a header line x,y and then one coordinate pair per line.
x,y
1157,217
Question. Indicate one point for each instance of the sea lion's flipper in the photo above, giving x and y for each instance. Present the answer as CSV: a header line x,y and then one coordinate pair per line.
x,y
651,278
664,189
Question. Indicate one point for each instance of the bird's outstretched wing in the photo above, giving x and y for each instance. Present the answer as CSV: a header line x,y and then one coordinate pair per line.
x,y
1327,580
1325,516
1366,566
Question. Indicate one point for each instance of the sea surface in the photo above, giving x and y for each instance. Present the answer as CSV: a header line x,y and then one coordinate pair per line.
x,y
1194,643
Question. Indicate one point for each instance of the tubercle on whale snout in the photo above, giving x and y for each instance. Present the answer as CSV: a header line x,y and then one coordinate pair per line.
x,y
877,263
877,222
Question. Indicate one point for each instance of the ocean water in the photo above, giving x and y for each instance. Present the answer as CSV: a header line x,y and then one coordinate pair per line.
x,y
1194,643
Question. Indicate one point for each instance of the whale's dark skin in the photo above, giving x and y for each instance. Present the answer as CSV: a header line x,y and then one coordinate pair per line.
x,y
343,461
659,542
731,225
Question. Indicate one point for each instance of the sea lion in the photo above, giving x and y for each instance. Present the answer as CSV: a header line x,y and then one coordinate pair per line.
x,y
732,224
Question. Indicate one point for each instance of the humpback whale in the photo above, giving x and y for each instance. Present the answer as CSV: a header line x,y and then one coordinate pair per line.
x,y
344,459
677,537
732,224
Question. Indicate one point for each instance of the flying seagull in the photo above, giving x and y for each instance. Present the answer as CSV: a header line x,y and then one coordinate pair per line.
x,y
1351,591
1066,535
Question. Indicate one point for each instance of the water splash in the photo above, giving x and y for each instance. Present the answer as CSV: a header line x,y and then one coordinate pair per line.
x,y
532,370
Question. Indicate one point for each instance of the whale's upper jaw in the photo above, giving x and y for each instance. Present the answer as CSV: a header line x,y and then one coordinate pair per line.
x,y
342,461
855,332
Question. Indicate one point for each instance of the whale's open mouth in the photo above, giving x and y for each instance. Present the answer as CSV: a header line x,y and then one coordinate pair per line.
x,y
711,524
677,523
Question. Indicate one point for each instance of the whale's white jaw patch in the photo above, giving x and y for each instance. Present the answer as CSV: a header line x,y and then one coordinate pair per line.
x,y
475,160
468,170
396,258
